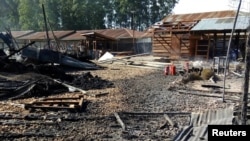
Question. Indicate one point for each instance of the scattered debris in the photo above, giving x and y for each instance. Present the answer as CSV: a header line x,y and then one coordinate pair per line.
x,y
237,74
206,74
169,120
211,86
64,103
120,121
98,95
50,56
71,88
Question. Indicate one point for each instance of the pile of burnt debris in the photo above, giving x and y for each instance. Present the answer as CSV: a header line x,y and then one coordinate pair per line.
x,y
22,80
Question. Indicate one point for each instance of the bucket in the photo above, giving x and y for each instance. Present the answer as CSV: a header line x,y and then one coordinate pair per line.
x,y
166,70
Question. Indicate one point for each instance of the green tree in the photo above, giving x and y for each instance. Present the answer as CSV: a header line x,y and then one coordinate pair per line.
x,y
52,13
83,14
146,13
30,15
9,15
94,14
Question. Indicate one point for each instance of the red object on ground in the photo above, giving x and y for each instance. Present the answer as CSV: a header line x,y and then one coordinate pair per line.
x,y
166,70
172,69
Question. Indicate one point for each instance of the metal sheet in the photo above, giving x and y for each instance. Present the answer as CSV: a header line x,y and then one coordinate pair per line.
x,y
74,37
17,34
222,24
200,121
199,16
42,35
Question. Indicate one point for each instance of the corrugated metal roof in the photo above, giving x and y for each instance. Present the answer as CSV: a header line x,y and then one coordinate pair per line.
x,y
42,35
200,121
97,35
17,34
74,37
77,35
222,23
120,33
199,16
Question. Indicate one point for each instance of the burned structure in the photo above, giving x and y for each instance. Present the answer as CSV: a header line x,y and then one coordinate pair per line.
x,y
199,35
86,43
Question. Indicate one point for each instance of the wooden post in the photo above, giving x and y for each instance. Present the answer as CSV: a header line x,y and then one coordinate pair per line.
x,y
245,82
133,28
46,27
228,50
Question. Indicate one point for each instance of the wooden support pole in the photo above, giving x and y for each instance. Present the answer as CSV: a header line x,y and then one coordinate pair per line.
x,y
46,27
228,49
246,82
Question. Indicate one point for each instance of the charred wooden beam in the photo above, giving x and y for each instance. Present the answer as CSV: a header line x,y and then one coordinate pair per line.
x,y
16,51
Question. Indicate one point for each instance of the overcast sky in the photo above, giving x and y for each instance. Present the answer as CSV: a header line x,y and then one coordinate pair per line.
x,y
196,6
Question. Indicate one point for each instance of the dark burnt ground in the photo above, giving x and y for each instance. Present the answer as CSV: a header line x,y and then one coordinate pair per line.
x,y
91,124
42,76
135,91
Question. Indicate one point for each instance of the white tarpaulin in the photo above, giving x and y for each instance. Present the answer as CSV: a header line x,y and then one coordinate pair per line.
x,y
106,56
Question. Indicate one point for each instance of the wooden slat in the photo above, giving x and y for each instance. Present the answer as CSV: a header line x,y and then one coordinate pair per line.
x,y
162,39
55,102
185,51
161,52
61,98
51,107
161,44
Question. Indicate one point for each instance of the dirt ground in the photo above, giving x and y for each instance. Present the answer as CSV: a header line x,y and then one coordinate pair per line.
x,y
140,96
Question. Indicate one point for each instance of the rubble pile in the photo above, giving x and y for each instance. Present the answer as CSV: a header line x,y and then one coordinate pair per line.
x,y
87,81
37,81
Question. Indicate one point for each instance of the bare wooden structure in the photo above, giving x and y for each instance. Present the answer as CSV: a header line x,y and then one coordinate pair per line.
x,y
175,38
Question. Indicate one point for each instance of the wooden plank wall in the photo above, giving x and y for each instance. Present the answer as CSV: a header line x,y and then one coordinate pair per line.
x,y
165,45
173,46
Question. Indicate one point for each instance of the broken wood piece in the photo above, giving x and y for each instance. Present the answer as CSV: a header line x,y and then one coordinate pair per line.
x,y
156,114
101,94
61,98
212,79
71,88
18,122
169,120
56,102
207,94
210,86
235,73
98,95
120,121
53,107
81,102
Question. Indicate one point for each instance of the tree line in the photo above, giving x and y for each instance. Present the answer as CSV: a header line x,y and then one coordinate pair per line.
x,y
82,14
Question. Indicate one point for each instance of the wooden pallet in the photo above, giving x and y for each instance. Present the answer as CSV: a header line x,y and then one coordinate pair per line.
x,y
65,103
